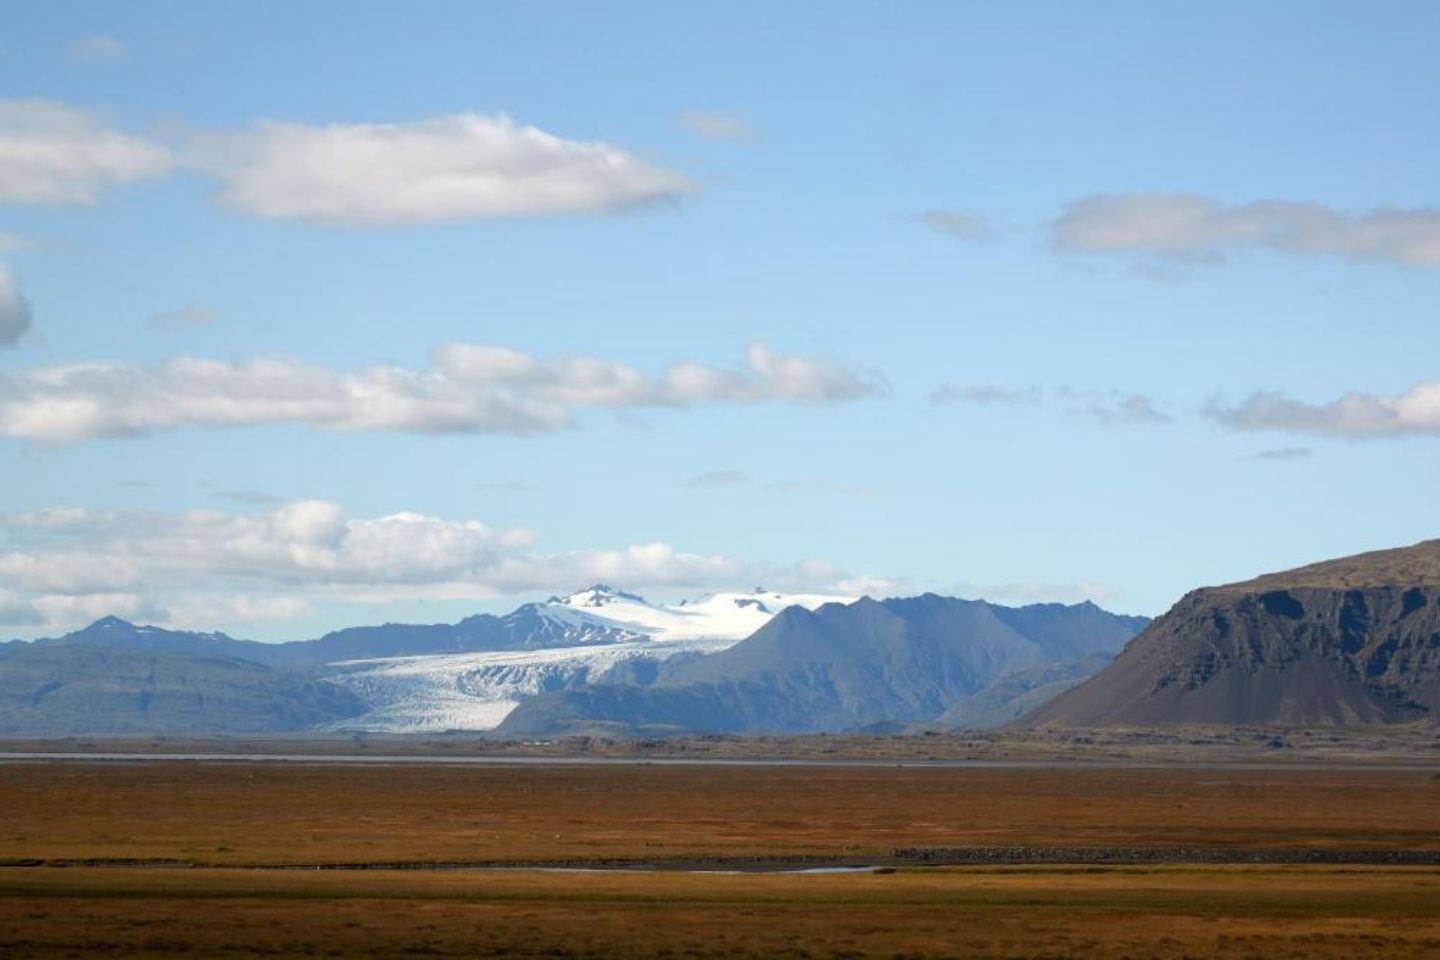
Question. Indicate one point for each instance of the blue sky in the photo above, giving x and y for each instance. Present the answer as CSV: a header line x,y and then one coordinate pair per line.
x,y
1165,241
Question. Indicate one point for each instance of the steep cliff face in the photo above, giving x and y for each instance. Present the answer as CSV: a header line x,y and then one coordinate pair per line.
x,y
1353,641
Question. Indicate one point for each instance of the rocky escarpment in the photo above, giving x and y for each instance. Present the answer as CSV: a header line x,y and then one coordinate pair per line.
x,y
1348,642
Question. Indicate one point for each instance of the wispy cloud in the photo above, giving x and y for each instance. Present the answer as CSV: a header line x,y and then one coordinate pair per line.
x,y
466,387
962,226
1355,415
96,48
1112,408
1190,227
1035,591
14,309
984,395
1284,453
188,317
724,127
1126,409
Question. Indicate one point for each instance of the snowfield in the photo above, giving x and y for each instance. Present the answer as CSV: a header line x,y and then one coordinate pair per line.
x,y
476,691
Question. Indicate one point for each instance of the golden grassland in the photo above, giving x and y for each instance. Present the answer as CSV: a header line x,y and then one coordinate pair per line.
x,y
253,825
258,813
1037,912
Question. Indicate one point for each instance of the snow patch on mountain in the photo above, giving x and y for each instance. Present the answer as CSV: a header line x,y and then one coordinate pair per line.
x,y
717,616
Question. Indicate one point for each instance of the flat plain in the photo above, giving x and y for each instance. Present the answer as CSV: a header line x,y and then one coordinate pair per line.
x,y
168,858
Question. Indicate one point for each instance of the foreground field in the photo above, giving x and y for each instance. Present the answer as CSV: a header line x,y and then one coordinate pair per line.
x,y
1158,912
252,835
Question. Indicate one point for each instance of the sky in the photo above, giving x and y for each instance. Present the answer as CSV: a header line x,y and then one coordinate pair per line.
x,y
332,313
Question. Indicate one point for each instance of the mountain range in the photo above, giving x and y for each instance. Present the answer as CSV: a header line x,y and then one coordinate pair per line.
x,y
1343,642
891,662
394,677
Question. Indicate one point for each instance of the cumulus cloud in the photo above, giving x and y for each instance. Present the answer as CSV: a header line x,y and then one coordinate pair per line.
x,y
207,568
14,309
465,166
96,48
962,226
466,388
1190,227
51,153
189,317
1355,415
724,127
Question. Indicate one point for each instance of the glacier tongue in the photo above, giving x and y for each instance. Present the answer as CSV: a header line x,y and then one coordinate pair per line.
x,y
475,691
604,626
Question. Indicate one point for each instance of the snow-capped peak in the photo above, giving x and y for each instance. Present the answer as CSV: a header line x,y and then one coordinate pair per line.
x,y
599,595
717,616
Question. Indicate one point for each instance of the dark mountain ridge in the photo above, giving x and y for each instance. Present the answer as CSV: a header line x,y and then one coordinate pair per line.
x,y
1343,642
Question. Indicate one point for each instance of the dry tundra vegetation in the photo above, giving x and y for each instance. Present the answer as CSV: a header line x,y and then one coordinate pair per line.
x,y
251,835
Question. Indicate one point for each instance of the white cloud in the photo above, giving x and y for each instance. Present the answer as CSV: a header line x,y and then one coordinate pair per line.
x,y
209,568
724,127
188,317
14,309
1191,227
1354,415
466,387
51,153
962,226
14,243
96,49
464,166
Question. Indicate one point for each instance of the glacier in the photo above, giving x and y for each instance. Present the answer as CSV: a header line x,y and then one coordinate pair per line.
x,y
608,628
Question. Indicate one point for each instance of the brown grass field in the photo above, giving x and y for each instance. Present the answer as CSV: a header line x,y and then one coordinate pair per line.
x,y
276,819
